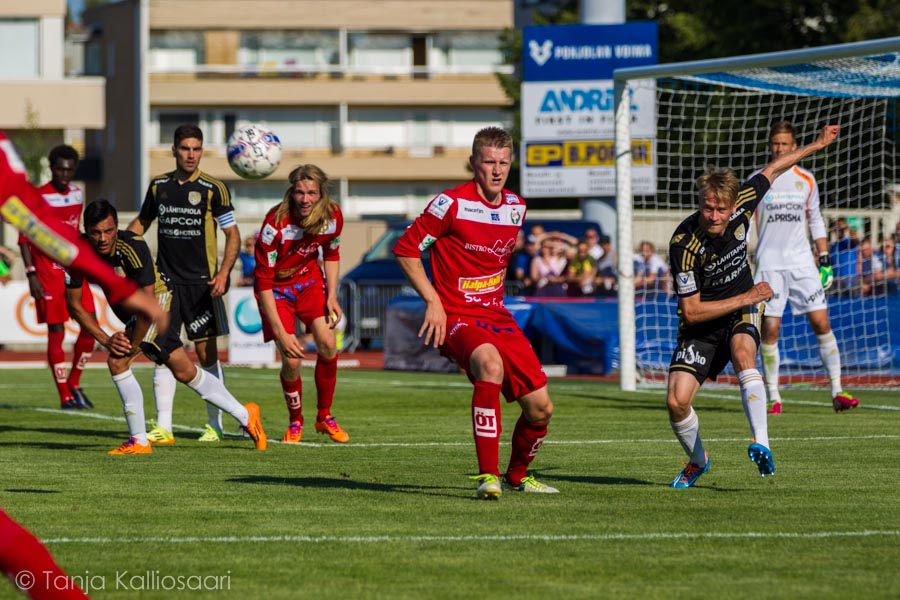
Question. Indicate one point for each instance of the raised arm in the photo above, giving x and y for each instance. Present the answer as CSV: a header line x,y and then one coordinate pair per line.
x,y
784,162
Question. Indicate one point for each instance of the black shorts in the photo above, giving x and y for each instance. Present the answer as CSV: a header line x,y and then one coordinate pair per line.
x,y
158,347
202,315
705,349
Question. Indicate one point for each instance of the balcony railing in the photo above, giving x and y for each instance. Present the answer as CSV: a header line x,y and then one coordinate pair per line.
x,y
331,71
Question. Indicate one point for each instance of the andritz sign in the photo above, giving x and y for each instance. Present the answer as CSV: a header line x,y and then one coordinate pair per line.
x,y
585,52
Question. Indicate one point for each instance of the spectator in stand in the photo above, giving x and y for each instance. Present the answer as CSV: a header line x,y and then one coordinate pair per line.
x,y
843,257
650,271
522,265
548,269
888,256
870,269
592,237
896,252
248,260
607,270
582,271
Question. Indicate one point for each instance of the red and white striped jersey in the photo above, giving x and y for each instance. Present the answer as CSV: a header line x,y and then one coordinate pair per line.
x,y
288,254
471,242
65,206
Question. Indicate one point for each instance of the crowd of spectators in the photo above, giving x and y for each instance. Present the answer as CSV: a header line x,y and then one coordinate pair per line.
x,y
860,267
555,264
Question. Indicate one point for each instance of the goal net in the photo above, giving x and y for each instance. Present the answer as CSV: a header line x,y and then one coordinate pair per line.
x,y
719,112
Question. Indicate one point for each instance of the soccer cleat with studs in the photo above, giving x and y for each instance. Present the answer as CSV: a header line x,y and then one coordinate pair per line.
x,y
160,436
132,447
254,426
531,485
489,486
331,428
294,433
762,456
844,401
690,474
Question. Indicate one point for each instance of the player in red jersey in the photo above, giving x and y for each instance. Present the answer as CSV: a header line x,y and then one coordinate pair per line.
x,y
30,567
471,230
289,285
23,207
46,280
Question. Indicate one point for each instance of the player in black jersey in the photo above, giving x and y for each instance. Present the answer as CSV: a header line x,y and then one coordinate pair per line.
x,y
719,306
187,205
129,255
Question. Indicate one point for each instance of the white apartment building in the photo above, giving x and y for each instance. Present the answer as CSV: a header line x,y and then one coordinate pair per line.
x,y
384,95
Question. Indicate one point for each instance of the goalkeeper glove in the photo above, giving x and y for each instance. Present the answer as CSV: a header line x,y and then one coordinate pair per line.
x,y
826,272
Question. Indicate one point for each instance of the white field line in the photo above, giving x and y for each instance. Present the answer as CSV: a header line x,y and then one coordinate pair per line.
x,y
187,428
381,539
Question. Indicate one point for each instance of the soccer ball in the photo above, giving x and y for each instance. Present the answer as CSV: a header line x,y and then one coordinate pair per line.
x,y
254,152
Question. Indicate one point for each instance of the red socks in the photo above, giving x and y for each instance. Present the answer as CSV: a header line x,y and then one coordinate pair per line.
x,y
57,359
84,346
326,379
293,395
486,426
526,441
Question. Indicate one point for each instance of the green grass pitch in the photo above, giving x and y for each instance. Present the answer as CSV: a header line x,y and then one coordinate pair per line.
x,y
392,514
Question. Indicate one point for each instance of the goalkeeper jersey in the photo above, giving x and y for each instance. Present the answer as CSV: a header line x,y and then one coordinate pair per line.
x,y
471,242
789,208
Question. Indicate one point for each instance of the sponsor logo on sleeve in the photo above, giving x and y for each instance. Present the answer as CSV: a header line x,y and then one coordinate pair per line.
x,y
292,232
686,283
268,234
440,205
336,243
272,257
511,199
427,241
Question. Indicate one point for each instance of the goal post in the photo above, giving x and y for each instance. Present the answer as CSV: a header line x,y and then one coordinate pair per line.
x,y
718,112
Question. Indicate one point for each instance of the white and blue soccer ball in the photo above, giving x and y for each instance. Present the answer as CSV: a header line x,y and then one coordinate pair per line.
x,y
254,152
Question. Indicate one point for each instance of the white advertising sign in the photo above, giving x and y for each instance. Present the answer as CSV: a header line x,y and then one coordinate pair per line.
x,y
21,326
245,338
564,110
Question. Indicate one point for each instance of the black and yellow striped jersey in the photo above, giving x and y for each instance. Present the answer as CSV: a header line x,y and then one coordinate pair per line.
x,y
188,213
131,259
716,267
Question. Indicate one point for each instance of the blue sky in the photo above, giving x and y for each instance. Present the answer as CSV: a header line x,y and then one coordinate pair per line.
x,y
75,8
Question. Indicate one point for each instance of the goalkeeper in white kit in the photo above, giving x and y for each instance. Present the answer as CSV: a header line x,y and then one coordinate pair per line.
x,y
784,261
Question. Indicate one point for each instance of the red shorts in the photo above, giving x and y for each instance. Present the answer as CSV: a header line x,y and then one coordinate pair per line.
x,y
51,309
522,371
296,302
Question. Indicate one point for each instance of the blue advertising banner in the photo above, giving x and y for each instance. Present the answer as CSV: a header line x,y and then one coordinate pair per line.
x,y
584,52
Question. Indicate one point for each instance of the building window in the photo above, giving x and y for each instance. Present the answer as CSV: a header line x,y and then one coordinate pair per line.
x,y
19,49
379,51
289,48
466,49
169,122
176,50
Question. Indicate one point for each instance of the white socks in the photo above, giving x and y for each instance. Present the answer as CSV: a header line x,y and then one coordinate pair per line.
x,y
132,405
213,414
213,391
753,397
831,358
771,361
688,434
164,393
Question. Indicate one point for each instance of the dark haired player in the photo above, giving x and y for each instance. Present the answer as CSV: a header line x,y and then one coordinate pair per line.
x,y
188,204
46,280
128,253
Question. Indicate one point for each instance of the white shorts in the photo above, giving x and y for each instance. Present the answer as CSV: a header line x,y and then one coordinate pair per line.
x,y
802,286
